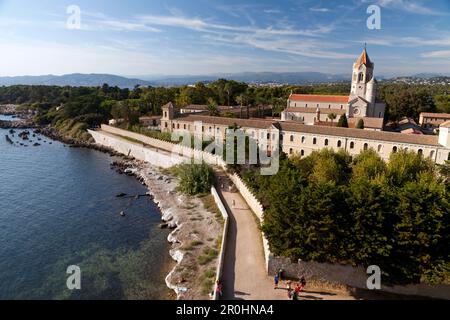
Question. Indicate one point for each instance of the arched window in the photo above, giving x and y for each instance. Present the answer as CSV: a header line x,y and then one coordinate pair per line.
x,y
420,152
339,144
326,142
166,124
165,114
448,158
352,145
432,153
394,149
291,151
268,136
315,141
302,153
184,127
366,146
178,126
380,148
173,125
292,138
360,77
303,139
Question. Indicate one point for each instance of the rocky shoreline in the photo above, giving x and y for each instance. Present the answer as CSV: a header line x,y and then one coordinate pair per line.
x,y
196,230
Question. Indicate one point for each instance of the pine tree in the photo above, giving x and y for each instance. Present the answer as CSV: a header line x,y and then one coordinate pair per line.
x,y
343,123
360,124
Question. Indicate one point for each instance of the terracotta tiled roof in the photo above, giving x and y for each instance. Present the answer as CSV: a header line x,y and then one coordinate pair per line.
x,y
435,115
199,107
374,123
314,110
445,124
361,134
249,123
319,98
150,118
364,59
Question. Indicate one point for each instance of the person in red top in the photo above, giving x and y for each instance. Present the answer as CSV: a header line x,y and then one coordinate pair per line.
x,y
219,289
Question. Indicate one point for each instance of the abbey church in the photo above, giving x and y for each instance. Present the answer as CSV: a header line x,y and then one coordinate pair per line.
x,y
362,103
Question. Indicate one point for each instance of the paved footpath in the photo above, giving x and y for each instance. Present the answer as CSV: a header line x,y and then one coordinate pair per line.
x,y
244,275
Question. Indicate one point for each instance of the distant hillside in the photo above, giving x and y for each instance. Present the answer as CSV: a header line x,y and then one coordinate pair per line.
x,y
76,79
293,78
442,80
256,77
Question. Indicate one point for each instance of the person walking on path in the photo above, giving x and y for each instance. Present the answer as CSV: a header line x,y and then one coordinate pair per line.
x,y
219,291
289,289
276,280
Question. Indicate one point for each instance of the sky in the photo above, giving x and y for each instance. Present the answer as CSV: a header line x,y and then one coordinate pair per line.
x,y
181,37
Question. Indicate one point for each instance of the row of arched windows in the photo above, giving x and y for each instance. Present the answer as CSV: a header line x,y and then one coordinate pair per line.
x,y
352,146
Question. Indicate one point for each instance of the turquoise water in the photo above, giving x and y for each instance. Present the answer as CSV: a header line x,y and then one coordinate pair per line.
x,y
58,207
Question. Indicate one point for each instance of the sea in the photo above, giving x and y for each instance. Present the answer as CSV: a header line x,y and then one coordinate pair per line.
x,y
62,236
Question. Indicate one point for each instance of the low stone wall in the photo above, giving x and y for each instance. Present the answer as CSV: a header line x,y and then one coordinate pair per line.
x,y
170,147
224,213
355,277
156,157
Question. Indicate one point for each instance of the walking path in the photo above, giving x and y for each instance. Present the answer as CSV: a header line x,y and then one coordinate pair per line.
x,y
244,274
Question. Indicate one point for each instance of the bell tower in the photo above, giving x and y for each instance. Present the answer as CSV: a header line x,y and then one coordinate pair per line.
x,y
362,75
168,114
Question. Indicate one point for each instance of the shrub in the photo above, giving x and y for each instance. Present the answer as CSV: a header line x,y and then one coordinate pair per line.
x,y
195,178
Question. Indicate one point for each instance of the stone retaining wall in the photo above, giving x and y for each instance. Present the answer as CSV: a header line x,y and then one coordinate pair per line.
x,y
156,157
224,213
172,148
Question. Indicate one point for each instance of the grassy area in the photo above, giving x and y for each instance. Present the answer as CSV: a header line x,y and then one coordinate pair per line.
x,y
208,255
207,281
210,204
191,246
74,130
165,136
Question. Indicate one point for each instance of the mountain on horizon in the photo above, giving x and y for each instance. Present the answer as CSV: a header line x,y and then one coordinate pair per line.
x,y
74,80
94,80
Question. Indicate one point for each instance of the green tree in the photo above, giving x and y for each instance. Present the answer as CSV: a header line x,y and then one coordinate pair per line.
x,y
195,178
332,116
343,122
213,111
360,124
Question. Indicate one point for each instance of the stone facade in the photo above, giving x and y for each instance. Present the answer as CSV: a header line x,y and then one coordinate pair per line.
x,y
361,103
296,138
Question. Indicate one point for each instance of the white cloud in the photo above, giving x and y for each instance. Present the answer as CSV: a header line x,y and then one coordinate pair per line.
x,y
317,9
442,54
204,26
411,6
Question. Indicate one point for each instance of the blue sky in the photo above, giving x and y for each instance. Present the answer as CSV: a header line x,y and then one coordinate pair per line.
x,y
174,37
